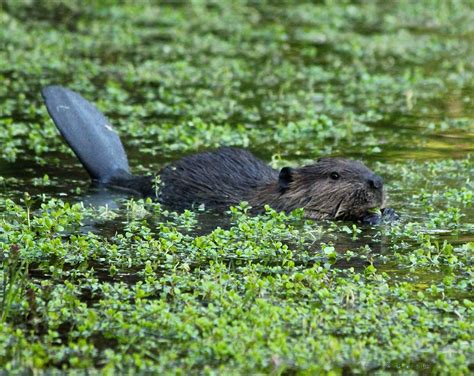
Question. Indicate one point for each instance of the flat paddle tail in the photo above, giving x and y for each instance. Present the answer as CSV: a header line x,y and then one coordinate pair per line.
x,y
88,132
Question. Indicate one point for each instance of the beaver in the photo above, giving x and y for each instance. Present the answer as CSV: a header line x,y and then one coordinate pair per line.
x,y
331,188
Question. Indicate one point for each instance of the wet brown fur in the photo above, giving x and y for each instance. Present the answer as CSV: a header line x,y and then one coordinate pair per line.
x,y
228,176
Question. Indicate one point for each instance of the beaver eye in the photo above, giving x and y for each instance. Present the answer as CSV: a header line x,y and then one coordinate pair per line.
x,y
334,175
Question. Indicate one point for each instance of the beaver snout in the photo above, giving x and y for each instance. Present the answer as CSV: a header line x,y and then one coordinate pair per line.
x,y
375,182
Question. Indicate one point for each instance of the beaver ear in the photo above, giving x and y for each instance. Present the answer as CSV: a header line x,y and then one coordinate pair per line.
x,y
285,178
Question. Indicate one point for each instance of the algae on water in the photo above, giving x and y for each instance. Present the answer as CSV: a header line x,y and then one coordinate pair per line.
x,y
96,281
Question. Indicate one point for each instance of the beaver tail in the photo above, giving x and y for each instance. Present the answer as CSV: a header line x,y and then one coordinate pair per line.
x,y
90,135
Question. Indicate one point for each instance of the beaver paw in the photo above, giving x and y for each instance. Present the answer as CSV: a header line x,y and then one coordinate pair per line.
x,y
372,219
388,216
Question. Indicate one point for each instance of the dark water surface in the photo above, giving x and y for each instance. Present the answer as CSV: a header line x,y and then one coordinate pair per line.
x,y
405,138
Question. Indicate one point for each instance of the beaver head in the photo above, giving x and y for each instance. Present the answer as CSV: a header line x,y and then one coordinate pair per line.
x,y
332,188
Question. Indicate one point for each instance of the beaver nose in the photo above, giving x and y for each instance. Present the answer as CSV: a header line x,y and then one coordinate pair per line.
x,y
375,182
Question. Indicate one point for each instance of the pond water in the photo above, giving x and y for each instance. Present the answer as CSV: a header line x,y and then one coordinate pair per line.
x,y
392,87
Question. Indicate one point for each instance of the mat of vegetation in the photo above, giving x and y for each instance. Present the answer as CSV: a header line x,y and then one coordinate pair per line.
x,y
96,281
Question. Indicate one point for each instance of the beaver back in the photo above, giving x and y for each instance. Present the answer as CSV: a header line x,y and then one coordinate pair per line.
x,y
218,179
